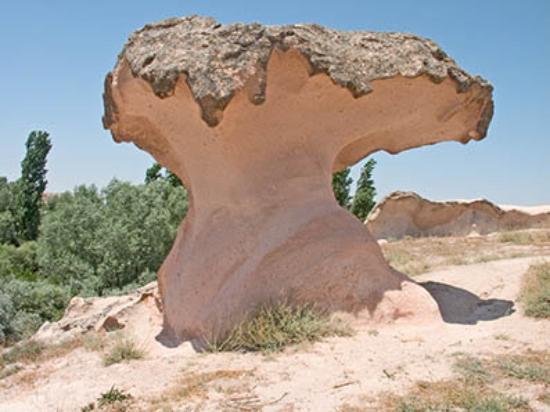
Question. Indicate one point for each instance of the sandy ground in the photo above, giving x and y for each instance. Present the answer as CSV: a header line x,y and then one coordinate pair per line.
x,y
477,303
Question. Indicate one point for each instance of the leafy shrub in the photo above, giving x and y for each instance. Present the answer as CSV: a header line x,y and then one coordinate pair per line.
x,y
19,261
8,233
6,315
25,305
274,327
97,242
42,298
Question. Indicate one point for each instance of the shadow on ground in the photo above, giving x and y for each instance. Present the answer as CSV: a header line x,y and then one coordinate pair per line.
x,y
461,306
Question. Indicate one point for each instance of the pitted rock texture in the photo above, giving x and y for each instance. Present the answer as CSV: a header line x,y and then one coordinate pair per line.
x,y
218,60
403,214
263,224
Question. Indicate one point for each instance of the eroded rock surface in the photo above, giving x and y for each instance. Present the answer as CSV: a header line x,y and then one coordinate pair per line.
x,y
254,120
100,314
403,214
218,60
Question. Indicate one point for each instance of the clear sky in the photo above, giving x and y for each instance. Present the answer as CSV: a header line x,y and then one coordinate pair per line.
x,y
55,54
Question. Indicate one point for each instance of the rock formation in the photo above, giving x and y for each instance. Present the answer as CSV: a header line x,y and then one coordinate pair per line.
x,y
254,120
139,310
407,214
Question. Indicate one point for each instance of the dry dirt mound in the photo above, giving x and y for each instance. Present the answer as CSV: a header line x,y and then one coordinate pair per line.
x,y
407,214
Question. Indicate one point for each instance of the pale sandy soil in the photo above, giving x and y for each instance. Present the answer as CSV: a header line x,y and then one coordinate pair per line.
x,y
478,302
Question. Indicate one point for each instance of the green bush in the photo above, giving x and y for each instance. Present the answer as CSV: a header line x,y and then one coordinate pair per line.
x,y
97,242
19,262
25,305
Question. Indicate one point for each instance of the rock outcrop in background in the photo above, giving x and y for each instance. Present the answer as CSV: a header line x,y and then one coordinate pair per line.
x,y
403,214
254,120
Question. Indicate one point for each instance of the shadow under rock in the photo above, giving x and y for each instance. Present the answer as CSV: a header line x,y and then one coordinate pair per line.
x,y
461,306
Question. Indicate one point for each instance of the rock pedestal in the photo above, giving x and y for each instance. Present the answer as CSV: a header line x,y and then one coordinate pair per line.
x,y
254,120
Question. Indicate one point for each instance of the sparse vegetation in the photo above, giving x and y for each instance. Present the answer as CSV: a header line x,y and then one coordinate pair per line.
x,y
535,292
123,350
471,390
525,237
472,369
113,395
456,395
274,327
195,385
114,400
533,366
33,351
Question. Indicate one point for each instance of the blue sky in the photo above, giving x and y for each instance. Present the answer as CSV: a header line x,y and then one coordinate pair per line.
x,y
55,55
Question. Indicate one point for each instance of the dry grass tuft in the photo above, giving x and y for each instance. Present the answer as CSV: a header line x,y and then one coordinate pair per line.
x,y
195,385
124,350
272,328
535,291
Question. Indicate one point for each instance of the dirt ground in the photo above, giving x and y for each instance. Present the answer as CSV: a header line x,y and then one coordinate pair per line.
x,y
478,299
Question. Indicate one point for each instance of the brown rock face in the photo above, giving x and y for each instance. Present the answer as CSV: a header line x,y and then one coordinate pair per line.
x,y
254,120
407,214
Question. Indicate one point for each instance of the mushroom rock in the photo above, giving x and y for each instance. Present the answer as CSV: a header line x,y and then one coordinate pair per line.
x,y
403,214
254,120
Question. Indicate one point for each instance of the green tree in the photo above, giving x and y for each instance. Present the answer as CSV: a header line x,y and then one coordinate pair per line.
x,y
363,200
8,233
341,182
153,173
157,172
104,242
31,185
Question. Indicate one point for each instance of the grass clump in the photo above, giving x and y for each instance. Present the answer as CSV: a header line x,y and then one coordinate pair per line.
x,y
535,291
124,350
274,327
113,395
113,400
